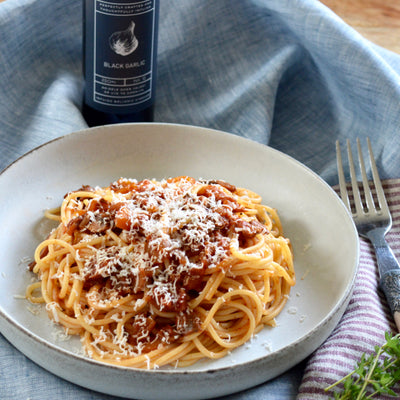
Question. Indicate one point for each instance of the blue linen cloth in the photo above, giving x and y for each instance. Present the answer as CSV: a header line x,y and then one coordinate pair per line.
x,y
286,73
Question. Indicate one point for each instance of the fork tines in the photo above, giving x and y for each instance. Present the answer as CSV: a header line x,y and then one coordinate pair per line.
x,y
361,202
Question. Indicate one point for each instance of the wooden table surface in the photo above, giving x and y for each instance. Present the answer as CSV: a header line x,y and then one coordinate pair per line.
x,y
377,20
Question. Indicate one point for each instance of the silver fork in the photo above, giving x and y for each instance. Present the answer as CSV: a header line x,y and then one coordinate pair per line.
x,y
372,221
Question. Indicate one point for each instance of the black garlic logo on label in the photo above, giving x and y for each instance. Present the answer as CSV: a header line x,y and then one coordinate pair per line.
x,y
124,42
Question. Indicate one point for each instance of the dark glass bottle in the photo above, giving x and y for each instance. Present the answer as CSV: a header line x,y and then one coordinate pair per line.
x,y
119,60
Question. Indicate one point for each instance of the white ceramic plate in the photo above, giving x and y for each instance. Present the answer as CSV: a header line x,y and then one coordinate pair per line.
x,y
324,239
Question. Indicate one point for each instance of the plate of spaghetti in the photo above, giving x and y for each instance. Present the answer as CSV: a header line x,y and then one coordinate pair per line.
x,y
163,261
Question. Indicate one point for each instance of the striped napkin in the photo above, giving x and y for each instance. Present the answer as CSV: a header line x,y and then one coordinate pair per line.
x,y
365,321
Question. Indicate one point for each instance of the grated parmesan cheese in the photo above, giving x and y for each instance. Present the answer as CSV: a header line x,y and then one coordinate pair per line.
x,y
166,222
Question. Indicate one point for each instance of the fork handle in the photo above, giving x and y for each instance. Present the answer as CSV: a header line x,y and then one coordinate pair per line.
x,y
389,271
390,284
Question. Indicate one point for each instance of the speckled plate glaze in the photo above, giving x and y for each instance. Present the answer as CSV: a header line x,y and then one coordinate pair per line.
x,y
324,239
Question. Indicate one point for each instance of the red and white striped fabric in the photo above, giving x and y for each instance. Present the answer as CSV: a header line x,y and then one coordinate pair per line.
x,y
365,321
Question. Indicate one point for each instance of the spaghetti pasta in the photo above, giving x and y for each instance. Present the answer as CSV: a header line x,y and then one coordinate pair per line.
x,y
151,273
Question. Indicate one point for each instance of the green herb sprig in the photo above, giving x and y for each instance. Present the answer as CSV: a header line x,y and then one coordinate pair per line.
x,y
375,374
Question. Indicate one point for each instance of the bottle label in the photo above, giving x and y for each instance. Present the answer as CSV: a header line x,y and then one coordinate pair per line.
x,y
120,51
